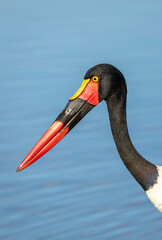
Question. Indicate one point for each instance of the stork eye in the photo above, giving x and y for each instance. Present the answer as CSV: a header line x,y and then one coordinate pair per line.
x,y
95,79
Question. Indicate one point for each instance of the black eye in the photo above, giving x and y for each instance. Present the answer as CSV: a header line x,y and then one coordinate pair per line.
x,y
95,79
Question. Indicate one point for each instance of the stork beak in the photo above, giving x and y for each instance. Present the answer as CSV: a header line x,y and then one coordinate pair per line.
x,y
78,106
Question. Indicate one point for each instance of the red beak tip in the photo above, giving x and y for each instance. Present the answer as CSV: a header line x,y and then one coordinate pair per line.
x,y
18,169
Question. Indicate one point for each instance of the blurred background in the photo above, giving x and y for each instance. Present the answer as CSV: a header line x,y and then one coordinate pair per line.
x,y
80,189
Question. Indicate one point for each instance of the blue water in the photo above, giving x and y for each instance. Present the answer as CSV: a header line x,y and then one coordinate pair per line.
x,y
80,189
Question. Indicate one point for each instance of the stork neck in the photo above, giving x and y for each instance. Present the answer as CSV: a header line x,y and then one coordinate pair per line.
x,y
143,171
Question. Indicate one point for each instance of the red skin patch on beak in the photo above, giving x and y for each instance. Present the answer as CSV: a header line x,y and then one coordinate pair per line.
x,y
90,93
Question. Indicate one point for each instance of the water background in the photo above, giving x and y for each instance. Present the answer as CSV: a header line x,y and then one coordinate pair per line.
x,y
80,189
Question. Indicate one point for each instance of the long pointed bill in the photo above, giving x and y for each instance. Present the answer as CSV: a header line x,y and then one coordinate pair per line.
x,y
79,105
